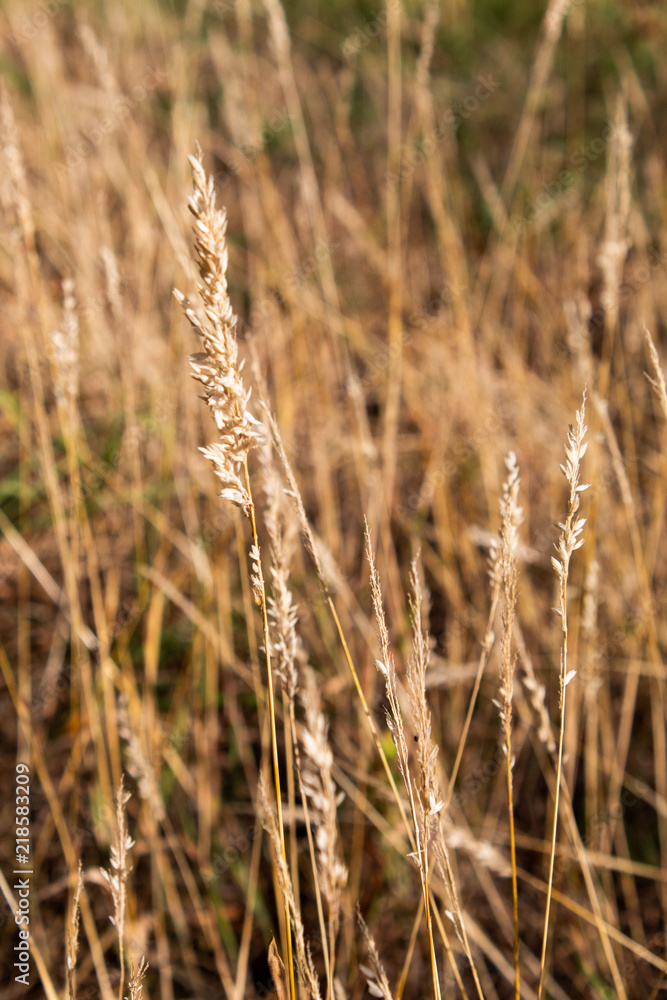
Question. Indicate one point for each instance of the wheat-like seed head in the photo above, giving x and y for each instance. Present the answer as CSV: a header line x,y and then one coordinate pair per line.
x,y
319,786
537,697
376,977
283,614
137,974
506,568
424,797
387,667
119,857
65,344
217,367
571,537
430,802
658,382
571,529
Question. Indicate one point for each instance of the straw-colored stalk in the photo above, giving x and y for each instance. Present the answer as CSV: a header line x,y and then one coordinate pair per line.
x,y
511,515
117,878
570,540
304,960
376,977
288,653
315,551
72,938
219,371
320,790
425,802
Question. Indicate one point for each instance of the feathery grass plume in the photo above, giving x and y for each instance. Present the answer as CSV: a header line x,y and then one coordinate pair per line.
x,y
507,561
419,811
429,802
378,984
424,796
65,345
570,540
387,668
658,382
116,880
511,517
536,696
137,973
218,368
288,653
282,610
320,789
427,752
72,936
589,617
304,960
139,765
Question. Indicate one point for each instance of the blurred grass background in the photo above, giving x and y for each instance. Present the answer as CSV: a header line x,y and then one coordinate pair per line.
x,y
409,334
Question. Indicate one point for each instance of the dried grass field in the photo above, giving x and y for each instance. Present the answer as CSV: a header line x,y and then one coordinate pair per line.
x,y
358,687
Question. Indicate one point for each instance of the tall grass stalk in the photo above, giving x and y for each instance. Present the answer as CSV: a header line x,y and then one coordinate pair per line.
x,y
218,370
423,797
288,654
506,569
116,879
570,540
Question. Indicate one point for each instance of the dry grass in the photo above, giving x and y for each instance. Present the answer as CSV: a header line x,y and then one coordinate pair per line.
x,y
443,222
